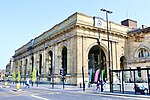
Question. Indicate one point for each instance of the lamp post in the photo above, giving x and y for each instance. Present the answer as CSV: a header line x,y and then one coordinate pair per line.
x,y
99,40
110,79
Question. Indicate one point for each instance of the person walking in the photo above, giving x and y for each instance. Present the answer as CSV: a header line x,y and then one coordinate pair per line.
x,y
27,83
98,86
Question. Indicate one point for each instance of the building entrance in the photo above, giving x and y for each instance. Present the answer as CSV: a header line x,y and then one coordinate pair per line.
x,y
94,67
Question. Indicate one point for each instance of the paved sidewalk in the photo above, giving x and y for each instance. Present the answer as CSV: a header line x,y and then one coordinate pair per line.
x,y
90,90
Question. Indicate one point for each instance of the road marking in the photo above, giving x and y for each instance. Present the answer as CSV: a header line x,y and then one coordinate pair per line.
x,y
53,93
39,97
123,96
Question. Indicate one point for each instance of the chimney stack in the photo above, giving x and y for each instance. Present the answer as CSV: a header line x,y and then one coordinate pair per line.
x,y
130,23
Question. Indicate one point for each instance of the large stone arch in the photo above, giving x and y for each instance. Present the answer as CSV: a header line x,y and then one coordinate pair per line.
x,y
94,61
60,56
21,67
40,63
25,72
32,63
103,47
50,62
61,46
64,59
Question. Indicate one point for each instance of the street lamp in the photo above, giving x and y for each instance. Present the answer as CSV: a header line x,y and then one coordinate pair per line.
x,y
99,40
108,12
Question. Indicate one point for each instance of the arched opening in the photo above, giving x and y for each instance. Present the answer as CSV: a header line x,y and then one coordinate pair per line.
x,y
122,62
50,63
25,72
16,67
94,64
32,59
64,60
40,64
21,68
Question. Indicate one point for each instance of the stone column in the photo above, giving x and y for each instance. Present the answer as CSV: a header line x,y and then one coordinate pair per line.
x,y
44,62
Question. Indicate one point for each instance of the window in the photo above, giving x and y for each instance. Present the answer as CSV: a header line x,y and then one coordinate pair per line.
x,y
143,53
64,60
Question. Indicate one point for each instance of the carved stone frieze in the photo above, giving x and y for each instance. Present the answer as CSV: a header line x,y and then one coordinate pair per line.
x,y
139,37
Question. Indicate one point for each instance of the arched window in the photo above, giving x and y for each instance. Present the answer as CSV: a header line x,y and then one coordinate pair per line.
x,y
64,60
143,53
32,59
25,72
21,68
40,65
50,62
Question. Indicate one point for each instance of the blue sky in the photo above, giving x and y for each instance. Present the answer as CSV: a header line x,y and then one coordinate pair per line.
x,y
23,20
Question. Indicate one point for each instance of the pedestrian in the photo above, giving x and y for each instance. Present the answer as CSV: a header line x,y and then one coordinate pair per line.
x,y
27,83
86,84
98,85
105,83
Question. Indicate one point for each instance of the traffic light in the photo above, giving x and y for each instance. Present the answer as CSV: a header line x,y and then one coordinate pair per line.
x,y
62,71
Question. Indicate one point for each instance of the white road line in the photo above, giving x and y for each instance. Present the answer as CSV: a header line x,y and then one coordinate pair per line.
x,y
123,96
39,97
131,97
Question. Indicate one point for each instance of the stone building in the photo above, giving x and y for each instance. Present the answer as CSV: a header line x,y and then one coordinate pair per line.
x,y
2,75
139,51
8,69
73,44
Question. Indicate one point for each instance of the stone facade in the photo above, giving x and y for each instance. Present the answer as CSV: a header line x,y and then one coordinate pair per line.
x,y
2,75
72,44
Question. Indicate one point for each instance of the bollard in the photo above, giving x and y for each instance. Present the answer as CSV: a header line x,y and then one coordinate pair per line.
x,y
17,86
80,85
5,83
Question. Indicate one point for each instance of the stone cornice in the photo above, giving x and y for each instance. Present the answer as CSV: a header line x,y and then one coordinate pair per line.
x,y
42,45
26,47
93,29
77,20
51,33
144,60
139,31
138,35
